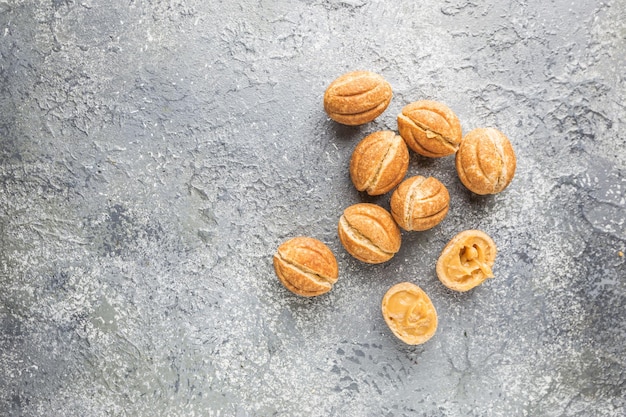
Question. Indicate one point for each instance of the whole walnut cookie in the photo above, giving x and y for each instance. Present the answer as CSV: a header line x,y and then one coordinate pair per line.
x,y
369,233
430,128
420,203
379,162
357,97
306,266
485,161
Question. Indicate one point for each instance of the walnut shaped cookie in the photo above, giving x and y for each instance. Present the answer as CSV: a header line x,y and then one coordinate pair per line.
x,y
430,128
485,161
306,266
357,97
379,162
420,203
369,233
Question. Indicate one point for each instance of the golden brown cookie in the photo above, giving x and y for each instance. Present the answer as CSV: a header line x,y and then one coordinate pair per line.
x,y
485,161
357,97
409,313
430,128
368,233
379,162
306,266
466,261
420,203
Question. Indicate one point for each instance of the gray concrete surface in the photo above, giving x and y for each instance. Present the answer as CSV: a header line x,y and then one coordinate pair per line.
x,y
153,155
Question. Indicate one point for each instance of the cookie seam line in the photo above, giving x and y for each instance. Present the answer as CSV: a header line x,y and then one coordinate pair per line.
x,y
479,164
497,143
361,237
373,182
307,271
446,141
410,203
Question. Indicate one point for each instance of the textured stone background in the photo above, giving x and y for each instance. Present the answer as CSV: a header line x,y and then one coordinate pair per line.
x,y
153,155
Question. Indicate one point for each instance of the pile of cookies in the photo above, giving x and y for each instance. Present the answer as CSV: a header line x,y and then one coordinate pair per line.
x,y
485,163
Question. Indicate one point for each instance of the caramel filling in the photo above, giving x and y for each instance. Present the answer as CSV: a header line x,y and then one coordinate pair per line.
x,y
410,313
472,263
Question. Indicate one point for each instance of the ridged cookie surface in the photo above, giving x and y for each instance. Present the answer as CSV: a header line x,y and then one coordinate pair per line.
x,y
357,97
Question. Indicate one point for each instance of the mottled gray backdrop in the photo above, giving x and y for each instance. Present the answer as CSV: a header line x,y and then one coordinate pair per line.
x,y
153,155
